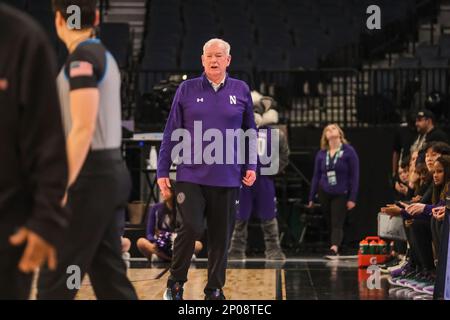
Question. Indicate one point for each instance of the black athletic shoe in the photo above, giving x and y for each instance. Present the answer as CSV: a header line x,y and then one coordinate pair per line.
x,y
216,294
174,293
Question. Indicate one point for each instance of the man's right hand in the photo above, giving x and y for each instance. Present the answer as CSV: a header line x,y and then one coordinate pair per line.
x,y
310,205
164,186
36,253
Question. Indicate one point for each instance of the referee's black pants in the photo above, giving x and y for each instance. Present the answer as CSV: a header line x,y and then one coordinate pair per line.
x,y
195,203
92,242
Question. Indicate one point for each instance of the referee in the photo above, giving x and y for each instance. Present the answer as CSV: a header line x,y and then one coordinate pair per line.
x,y
33,167
99,185
219,103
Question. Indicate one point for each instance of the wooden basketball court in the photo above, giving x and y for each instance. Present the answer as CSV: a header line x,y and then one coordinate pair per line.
x,y
150,284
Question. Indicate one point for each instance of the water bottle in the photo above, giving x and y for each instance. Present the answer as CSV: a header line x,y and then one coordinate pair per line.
x,y
153,159
373,247
382,247
364,247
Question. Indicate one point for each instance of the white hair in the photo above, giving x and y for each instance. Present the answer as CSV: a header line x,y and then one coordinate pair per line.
x,y
225,44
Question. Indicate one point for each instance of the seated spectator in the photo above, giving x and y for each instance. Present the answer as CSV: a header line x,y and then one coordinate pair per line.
x,y
423,278
402,180
160,231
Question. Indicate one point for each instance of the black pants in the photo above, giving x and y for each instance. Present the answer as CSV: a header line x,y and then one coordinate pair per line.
x,y
442,268
14,285
400,246
218,205
436,233
413,256
335,209
92,241
421,241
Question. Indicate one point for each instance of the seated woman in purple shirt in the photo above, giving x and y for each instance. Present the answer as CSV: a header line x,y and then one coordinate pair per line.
x,y
160,232
336,181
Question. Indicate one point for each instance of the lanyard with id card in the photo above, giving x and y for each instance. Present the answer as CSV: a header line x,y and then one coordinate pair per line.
x,y
331,173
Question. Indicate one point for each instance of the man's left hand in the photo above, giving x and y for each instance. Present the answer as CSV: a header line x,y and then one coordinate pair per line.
x,y
250,177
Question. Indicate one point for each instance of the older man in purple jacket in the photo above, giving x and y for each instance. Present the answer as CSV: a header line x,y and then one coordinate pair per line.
x,y
210,108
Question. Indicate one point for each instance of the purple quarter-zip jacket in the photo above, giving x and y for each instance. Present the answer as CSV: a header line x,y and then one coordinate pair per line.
x,y
231,107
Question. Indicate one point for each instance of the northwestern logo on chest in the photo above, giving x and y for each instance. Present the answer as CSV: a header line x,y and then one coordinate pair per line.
x,y
233,100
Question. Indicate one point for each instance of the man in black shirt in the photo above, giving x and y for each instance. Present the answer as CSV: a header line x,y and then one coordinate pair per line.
x,y
33,165
425,124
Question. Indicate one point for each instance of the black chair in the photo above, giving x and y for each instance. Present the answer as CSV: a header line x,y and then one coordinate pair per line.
x,y
444,45
406,63
424,51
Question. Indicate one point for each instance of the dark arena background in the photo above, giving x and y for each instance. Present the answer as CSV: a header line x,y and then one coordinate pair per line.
x,y
367,65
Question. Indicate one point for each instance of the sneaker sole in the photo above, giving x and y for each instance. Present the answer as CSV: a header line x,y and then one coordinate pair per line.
x,y
402,284
393,282
403,292
166,296
411,285
419,290
393,291
413,294
400,265
423,297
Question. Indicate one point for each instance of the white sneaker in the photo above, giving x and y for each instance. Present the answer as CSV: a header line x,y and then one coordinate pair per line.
x,y
398,266
155,258
167,295
126,258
